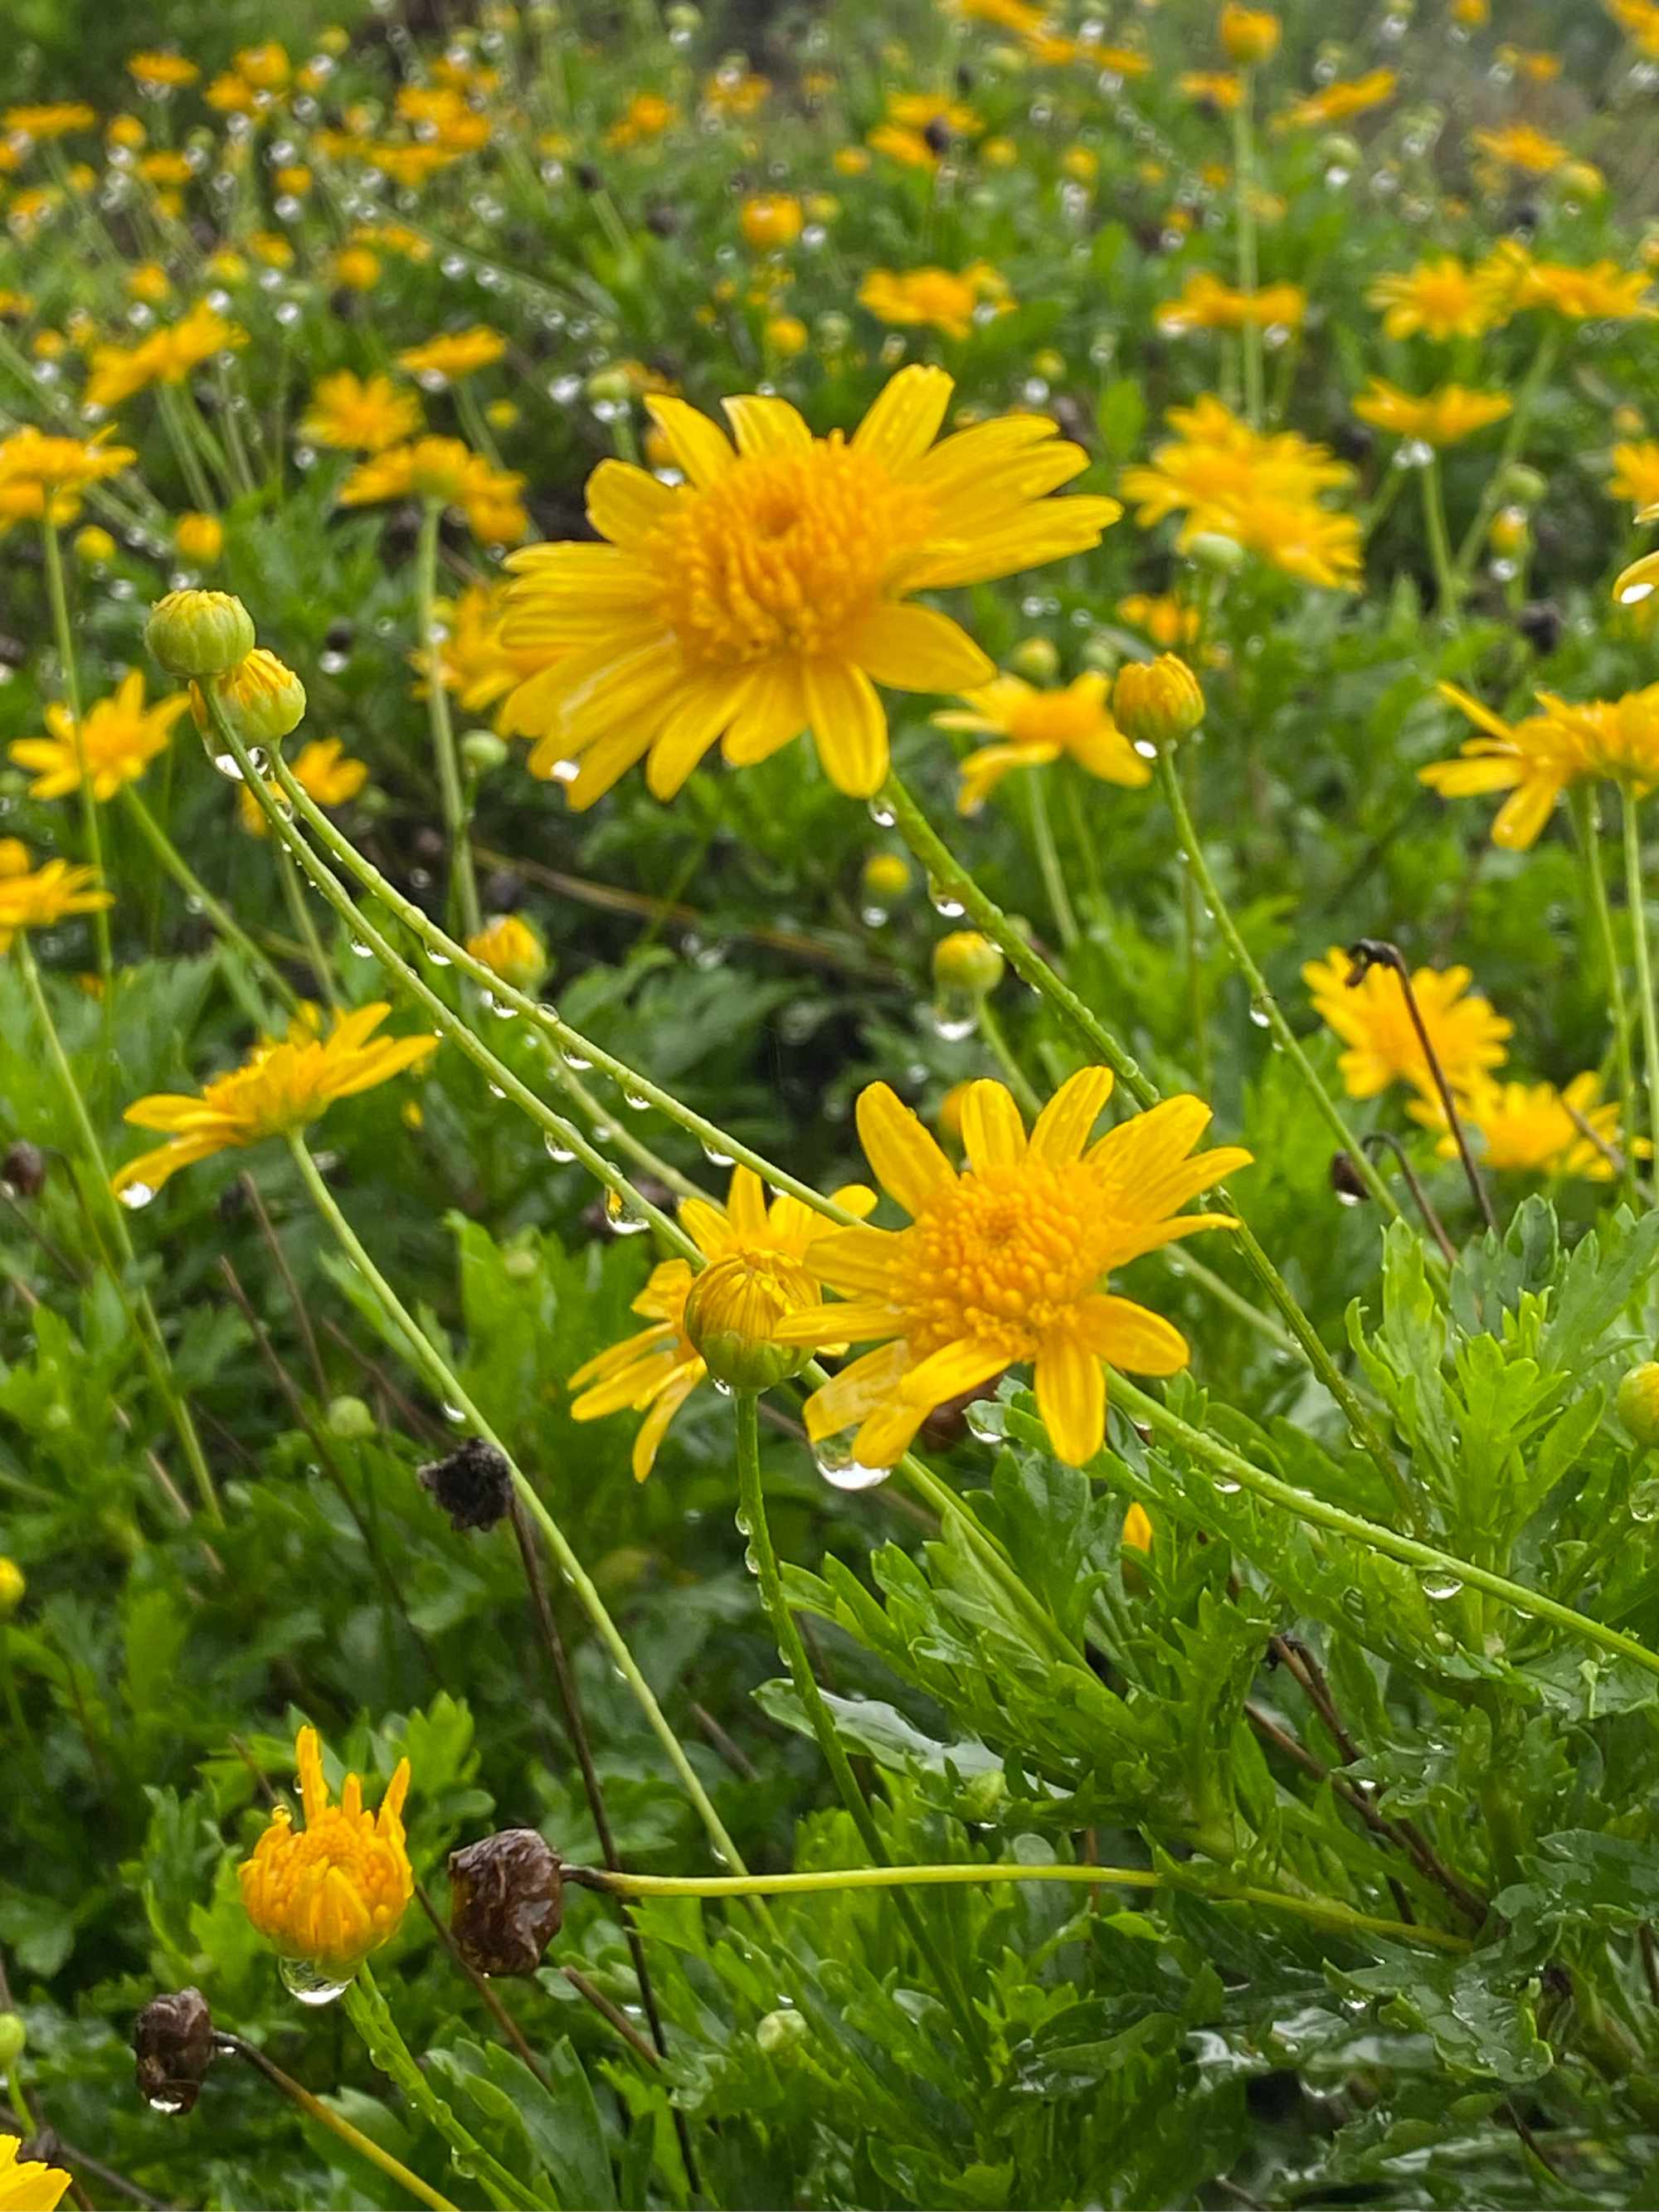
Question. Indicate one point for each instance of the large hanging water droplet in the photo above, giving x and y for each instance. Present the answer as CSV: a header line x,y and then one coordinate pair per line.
x,y
308,1981
834,1460
137,1194
715,1157
574,1061
1226,1486
558,1149
1440,1585
945,904
882,814
623,1215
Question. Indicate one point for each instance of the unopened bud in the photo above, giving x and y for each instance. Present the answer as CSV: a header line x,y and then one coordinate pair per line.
x,y
1522,485
1157,702
262,699
199,633
1250,35
483,751
1037,658
510,948
777,2031
886,877
732,1310
474,1485
14,2039
94,544
1214,551
173,2038
964,961
1638,1403
199,537
507,1901
349,1419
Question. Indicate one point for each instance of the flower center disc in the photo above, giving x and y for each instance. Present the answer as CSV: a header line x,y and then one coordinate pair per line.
x,y
999,1256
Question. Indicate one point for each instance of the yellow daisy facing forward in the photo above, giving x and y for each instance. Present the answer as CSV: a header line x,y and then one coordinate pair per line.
x,y
278,1090
40,898
771,592
118,740
1373,1020
1004,1264
1036,728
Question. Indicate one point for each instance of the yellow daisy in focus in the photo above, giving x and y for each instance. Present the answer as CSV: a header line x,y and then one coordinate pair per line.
x,y
324,770
935,298
119,737
26,2185
353,417
655,1371
1535,1129
1374,1022
334,1890
1038,727
1441,298
1003,1264
453,354
1439,418
770,592
40,898
279,1088
1535,761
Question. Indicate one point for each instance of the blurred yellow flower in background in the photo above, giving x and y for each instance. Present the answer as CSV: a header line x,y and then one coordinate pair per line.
x,y
119,737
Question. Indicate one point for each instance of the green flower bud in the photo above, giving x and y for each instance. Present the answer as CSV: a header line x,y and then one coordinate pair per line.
x,y
886,877
13,2039
1157,702
262,699
776,2031
199,633
1037,658
731,1312
964,961
1212,550
482,750
349,1419
1638,1403
1522,485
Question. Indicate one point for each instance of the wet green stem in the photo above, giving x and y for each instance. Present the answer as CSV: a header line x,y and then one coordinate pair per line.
x,y
224,923
1587,822
1636,902
91,835
463,884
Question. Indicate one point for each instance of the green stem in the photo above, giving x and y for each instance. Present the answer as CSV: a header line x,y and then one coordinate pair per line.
x,y
1180,1261
293,894
424,1355
371,2016
1449,585
184,449
89,829
950,877
1054,878
570,1042
753,1525
1018,1082
152,1345
1233,1467
1262,995
1587,822
1636,902
327,2117
1474,537
1244,205
1189,906
224,922
562,1133
1323,1911
463,884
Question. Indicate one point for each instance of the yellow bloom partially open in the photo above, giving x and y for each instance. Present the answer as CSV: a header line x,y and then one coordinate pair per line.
x,y
336,1890
119,737
655,1371
1004,1264
279,1088
770,592
1438,418
25,2185
1036,728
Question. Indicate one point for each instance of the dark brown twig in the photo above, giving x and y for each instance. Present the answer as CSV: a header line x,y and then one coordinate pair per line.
x,y
1421,1198
1610,1153
733,1752
1368,952
618,2019
503,2018
274,1245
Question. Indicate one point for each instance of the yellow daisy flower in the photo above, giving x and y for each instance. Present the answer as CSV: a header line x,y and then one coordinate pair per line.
x,y
1535,761
1636,473
1530,1128
770,592
1441,298
1522,147
323,768
935,298
1038,727
1003,1264
453,355
337,1890
1374,1022
354,416
1206,304
279,1088
40,898
1439,418
119,737
655,1371
1352,96
448,469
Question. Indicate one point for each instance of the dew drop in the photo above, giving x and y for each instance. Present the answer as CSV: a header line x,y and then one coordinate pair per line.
x,y
881,814
454,1416
170,2106
872,917
715,1157
137,1194
556,1149
833,1456
1438,1585
623,1216
575,1062
307,1980
633,1100
1259,1016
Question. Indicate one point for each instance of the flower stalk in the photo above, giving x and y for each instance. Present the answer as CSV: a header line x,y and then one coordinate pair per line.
x,y
1587,823
463,899
327,2117
91,835
1636,902
224,923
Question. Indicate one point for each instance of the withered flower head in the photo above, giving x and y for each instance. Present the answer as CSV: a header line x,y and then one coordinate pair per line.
x,y
474,1485
172,2037
507,1900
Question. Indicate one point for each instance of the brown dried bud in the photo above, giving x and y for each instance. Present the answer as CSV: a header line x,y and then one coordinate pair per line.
x,y
173,2039
23,1170
474,1485
1346,1178
507,1900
